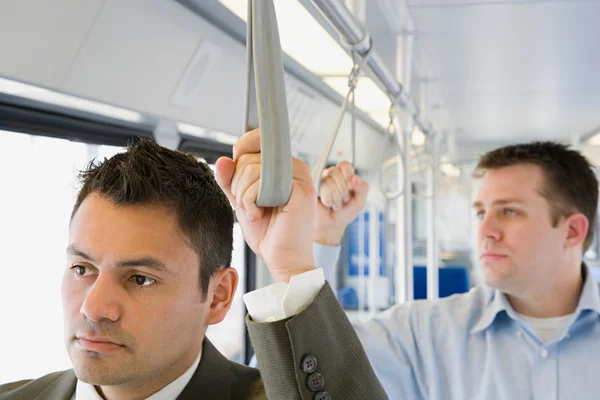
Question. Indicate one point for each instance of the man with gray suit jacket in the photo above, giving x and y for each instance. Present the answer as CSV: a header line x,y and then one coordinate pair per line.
x,y
305,352
147,271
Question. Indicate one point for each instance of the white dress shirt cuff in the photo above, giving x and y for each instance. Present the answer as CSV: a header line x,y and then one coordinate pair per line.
x,y
282,300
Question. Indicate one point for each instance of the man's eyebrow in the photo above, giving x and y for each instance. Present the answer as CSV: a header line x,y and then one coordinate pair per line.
x,y
501,202
148,262
73,250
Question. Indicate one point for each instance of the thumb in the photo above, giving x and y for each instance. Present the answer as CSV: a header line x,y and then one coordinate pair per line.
x,y
360,187
361,190
225,168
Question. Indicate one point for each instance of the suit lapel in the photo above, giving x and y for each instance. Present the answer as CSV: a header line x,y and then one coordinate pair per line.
x,y
212,379
61,389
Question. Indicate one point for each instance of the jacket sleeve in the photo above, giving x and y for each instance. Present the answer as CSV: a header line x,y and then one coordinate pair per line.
x,y
314,353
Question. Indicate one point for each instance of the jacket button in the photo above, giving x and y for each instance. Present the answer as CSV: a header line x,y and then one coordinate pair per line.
x,y
309,364
316,382
322,396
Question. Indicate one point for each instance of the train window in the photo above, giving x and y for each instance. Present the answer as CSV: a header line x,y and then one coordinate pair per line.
x,y
39,185
38,176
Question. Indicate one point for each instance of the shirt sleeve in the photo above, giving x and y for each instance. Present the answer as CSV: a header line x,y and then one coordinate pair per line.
x,y
327,257
282,300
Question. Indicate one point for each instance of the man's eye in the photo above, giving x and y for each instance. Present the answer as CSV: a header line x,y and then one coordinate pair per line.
x,y
143,281
510,212
80,270
480,214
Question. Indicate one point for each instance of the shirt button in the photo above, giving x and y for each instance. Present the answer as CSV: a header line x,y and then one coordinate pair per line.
x,y
544,353
519,333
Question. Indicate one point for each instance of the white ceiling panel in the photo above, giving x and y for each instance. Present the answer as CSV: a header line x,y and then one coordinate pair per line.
x,y
140,51
514,69
39,39
475,3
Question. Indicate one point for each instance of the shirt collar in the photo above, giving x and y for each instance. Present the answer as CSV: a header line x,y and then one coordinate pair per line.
x,y
497,303
590,294
589,300
85,391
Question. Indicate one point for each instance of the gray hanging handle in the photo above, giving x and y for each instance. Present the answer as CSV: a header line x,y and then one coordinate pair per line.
x,y
319,167
266,105
322,162
390,134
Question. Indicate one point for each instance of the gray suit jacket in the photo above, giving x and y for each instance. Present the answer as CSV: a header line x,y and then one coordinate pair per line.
x,y
215,378
320,340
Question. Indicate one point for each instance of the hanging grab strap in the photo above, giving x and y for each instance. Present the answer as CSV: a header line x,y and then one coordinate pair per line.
x,y
352,82
390,134
266,105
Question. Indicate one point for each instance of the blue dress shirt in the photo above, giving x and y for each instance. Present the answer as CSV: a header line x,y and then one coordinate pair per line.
x,y
475,346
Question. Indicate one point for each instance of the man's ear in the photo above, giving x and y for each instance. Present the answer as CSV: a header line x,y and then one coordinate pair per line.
x,y
223,285
577,225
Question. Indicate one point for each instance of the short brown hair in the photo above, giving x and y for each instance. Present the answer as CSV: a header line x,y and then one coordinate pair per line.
x,y
148,174
571,183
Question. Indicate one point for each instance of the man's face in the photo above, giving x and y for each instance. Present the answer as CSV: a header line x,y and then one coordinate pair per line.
x,y
517,244
132,303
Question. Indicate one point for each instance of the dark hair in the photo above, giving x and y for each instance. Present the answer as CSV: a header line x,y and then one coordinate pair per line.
x,y
571,183
148,174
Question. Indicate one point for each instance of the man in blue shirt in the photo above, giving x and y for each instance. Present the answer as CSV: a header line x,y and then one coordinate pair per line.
x,y
533,330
